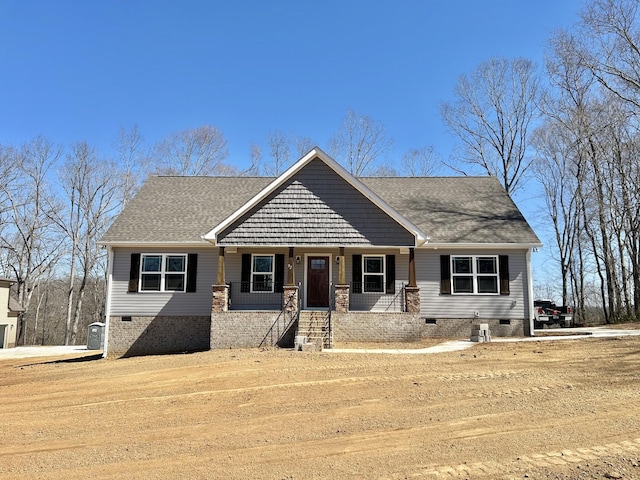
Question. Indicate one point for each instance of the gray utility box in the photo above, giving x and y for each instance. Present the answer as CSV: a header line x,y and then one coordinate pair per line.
x,y
95,338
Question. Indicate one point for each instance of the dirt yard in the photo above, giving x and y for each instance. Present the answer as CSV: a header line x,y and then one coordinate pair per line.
x,y
565,409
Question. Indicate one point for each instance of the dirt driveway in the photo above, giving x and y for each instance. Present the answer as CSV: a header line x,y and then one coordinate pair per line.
x,y
557,409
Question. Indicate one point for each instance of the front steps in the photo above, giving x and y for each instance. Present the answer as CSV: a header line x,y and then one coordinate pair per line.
x,y
315,326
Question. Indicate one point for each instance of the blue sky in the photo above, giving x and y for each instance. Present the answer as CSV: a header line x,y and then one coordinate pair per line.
x,y
81,70
75,70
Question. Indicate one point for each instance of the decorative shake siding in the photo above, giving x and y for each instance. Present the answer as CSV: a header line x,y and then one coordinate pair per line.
x,y
316,206
439,306
162,303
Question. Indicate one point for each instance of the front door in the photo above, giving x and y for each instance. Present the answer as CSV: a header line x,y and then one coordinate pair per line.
x,y
318,282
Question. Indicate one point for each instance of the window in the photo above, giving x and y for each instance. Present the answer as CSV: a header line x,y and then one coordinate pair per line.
x,y
262,273
163,273
373,273
474,274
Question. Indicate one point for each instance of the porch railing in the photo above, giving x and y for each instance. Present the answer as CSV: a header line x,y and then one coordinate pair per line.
x,y
289,315
254,296
374,297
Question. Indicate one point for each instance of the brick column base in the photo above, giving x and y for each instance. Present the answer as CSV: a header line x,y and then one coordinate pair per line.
x,y
220,298
412,298
342,298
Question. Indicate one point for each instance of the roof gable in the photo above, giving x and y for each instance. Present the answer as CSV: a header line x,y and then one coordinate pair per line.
x,y
316,206
316,155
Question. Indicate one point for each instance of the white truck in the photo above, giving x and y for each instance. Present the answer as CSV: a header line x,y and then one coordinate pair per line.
x,y
548,314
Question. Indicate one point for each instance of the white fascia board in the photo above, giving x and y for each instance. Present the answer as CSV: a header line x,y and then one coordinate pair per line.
x,y
156,244
481,246
336,167
298,246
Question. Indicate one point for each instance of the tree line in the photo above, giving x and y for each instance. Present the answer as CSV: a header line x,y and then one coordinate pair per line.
x,y
571,128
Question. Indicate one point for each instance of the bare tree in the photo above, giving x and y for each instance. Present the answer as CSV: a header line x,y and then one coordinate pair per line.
x,y
303,144
421,162
279,152
609,45
555,171
492,114
133,161
92,197
359,143
197,151
30,246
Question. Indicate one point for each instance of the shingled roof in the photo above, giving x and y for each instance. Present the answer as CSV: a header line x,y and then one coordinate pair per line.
x,y
456,210
450,210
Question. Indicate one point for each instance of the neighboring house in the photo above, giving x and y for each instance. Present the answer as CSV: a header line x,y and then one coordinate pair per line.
x,y
218,262
10,310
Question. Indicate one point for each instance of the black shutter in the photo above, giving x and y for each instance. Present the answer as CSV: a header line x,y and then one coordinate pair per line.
x,y
245,276
504,274
445,275
279,273
192,271
134,273
356,273
391,274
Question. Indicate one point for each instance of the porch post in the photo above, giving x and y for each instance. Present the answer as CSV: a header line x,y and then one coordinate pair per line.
x,y
342,268
290,268
412,267
220,289
411,291
220,277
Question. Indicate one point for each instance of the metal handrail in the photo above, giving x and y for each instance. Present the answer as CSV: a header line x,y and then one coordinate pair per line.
x,y
295,314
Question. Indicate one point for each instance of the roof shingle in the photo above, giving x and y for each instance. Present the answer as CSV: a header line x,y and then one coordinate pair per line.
x,y
455,210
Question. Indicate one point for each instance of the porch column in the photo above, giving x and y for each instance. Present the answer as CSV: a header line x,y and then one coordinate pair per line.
x,y
412,268
220,277
342,288
290,268
411,291
220,289
342,277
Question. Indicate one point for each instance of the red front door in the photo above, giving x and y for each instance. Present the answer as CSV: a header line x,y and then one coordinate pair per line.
x,y
318,282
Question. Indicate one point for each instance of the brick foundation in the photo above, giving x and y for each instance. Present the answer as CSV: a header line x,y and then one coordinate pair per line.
x,y
240,329
376,327
157,335
461,327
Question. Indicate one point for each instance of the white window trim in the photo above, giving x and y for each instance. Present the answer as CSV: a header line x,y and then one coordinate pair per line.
x,y
272,273
474,274
382,274
163,272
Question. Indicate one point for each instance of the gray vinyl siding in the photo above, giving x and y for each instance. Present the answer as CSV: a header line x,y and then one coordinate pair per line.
x,y
435,305
361,302
376,302
197,303
316,206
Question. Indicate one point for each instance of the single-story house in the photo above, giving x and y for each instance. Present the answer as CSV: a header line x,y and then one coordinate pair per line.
x,y
10,310
221,262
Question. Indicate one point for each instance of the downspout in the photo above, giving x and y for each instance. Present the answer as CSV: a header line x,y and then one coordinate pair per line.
x,y
107,308
530,294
